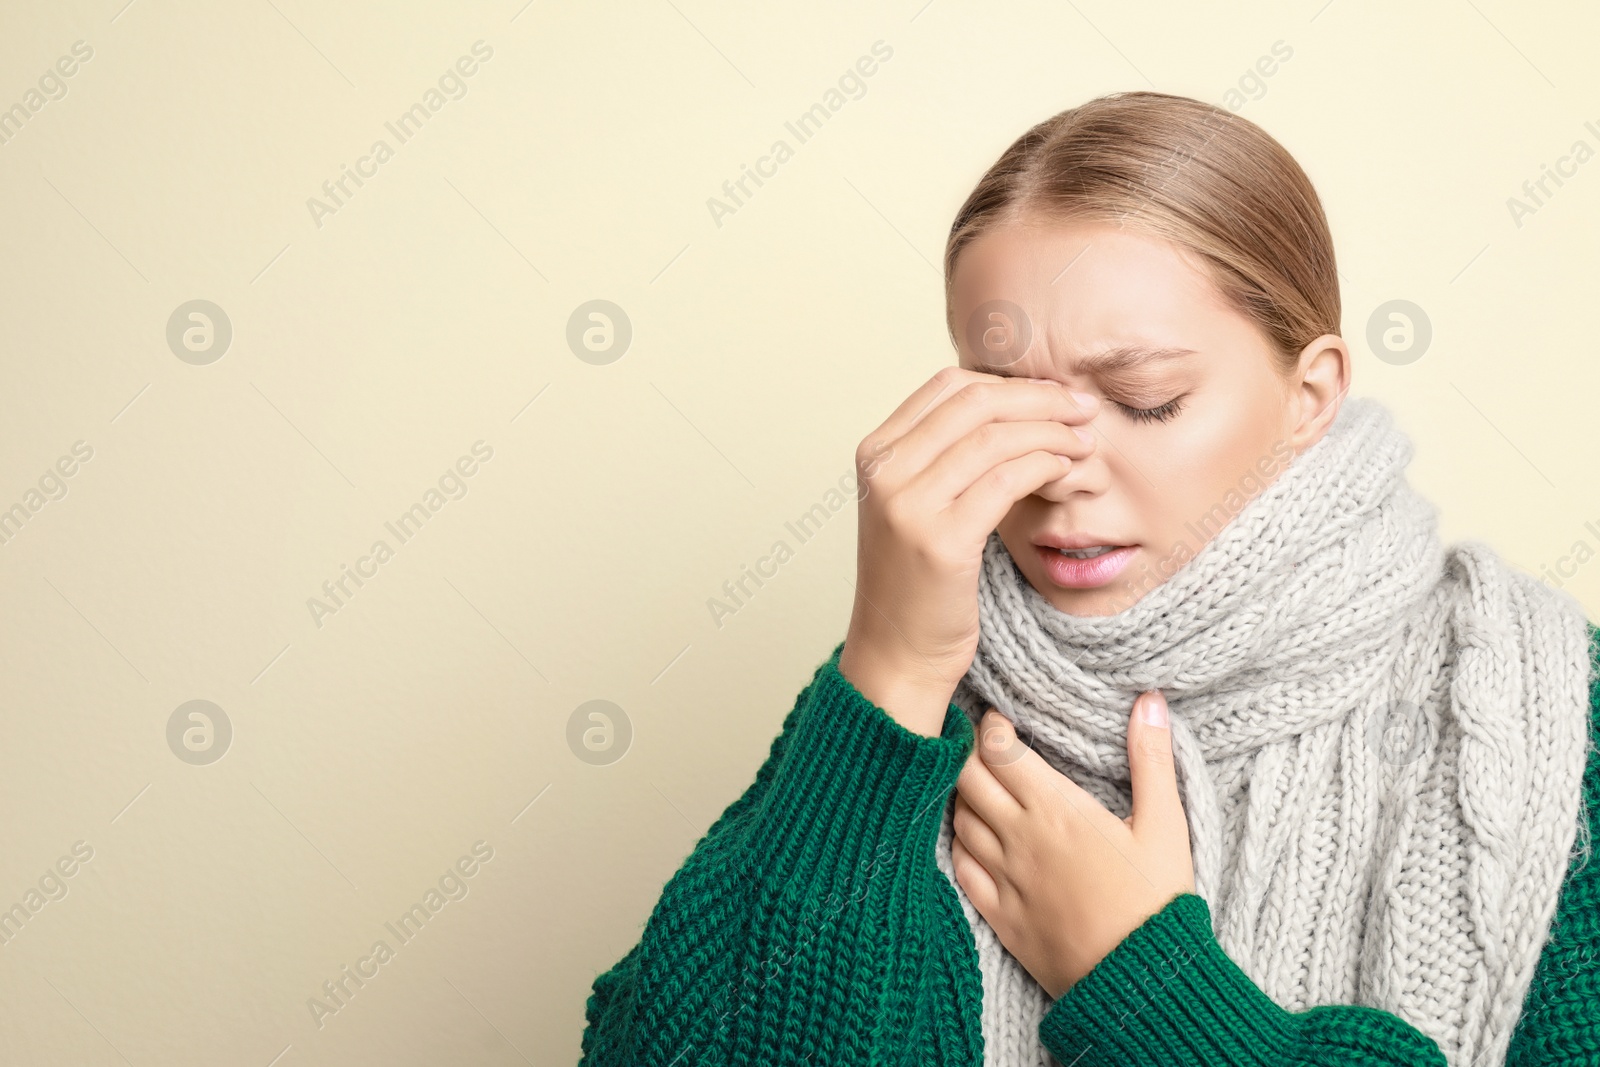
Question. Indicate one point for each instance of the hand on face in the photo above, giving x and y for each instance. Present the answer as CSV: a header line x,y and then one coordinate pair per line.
x,y
1060,878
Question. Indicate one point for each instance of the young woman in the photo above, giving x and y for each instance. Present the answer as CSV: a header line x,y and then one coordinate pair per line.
x,y
1165,730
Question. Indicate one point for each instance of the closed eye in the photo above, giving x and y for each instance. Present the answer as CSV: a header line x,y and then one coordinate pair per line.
x,y
1166,411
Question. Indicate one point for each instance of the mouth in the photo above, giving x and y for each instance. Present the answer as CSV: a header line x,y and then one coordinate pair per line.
x,y
1088,553
1083,562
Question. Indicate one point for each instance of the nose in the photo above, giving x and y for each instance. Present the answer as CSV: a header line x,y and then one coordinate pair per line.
x,y
1086,476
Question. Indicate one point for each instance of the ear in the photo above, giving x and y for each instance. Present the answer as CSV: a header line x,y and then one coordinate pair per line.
x,y
1320,384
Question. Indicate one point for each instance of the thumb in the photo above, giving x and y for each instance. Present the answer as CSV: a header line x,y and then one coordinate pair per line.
x,y
1150,764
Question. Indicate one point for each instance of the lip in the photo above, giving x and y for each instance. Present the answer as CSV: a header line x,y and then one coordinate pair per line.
x,y
1069,573
1084,540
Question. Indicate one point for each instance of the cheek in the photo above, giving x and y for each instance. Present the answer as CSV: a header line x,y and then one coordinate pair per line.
x,y
1186,469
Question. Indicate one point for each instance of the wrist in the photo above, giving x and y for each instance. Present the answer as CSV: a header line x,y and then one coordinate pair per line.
x,y
911,698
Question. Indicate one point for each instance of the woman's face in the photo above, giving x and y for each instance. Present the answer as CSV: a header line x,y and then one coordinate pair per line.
x,y
1182,440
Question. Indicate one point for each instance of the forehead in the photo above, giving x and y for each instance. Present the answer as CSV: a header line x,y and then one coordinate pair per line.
x,y
1083,286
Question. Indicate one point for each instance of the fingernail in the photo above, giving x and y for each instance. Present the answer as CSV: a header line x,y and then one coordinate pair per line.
x,y
1044,381
1084,435
1155,708
1084,399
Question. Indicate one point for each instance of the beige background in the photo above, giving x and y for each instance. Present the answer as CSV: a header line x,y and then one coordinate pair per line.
x,y
430,712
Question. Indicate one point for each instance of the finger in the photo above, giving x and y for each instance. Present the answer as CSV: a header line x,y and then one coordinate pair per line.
x,y
984,398
978,786
1024,773
974,880
944,383
982,507
1156,804
956,469
977,835
950,381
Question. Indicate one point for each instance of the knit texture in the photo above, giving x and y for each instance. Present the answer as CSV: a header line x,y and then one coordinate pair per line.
x,y
811,926
1379,743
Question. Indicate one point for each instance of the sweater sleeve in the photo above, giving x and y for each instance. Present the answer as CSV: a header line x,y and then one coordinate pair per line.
x,y
811,923
1168,994
1560,1020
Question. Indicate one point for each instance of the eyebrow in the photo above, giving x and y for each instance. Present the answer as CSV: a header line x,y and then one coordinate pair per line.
x,y
1117,358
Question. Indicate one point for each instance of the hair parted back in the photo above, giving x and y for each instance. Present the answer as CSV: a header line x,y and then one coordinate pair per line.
x,y
1187,171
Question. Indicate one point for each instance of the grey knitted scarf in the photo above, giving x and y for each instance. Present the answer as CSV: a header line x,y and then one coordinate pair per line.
x,y
1379,744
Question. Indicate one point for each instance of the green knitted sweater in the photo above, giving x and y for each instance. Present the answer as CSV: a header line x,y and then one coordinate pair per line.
x,y
811,925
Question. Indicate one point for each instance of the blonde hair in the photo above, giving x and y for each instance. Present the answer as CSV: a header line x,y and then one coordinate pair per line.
x,y
1187,171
